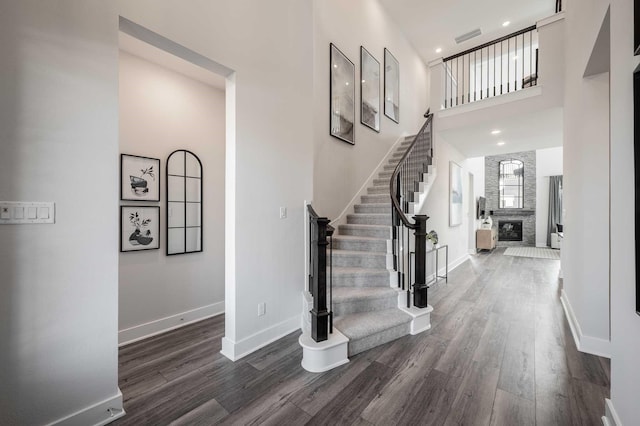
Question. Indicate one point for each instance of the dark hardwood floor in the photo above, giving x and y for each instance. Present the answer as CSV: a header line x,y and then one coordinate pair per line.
x,y
500,352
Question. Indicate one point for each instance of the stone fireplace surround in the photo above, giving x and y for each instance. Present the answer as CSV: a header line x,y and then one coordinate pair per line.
x,y
526,214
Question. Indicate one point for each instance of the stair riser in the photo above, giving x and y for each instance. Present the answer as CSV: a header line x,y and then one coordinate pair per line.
x,y
366,232
378,190
362,280
385,175
359,261
376,199
382,181
364,219
364,305
375,246
366,343
374,208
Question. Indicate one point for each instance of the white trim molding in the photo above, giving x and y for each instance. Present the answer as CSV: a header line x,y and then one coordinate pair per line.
x,y
162,325
98,414
318,357
584,343
236,350
610,417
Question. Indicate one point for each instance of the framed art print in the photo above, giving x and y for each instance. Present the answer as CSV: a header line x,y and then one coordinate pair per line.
x,y
139,228
342,96
369,90
391,86
139,178
455,194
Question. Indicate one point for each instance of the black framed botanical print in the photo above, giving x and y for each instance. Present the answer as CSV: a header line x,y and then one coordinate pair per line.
x,y
369,90
139,178
342,94
139,228
391,86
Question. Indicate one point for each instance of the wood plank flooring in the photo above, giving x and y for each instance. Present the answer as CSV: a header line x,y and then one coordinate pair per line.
x,y
500,352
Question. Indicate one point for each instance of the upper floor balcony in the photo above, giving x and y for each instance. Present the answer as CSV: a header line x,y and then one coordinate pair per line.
x,y
522,72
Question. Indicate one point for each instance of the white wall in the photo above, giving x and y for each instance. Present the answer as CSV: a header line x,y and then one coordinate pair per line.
x,y
625,323
341,169
59,285
161,111
269,148
548,163
585,248
437,204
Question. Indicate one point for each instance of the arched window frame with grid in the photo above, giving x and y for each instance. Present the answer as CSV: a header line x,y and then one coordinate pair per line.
x,y
511,183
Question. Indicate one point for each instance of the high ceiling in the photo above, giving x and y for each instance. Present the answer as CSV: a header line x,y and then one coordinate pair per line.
x,y
432,24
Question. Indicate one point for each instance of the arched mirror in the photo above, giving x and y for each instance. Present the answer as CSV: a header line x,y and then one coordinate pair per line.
x,y
511,184
184,203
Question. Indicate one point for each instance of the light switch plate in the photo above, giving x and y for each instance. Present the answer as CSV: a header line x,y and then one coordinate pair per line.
x,y
26,212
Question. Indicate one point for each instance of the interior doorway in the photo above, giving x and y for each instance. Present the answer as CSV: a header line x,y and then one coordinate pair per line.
x,y
170,99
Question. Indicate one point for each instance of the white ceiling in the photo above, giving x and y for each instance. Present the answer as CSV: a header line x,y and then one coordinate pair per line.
x,y
537,130
160,57
429,24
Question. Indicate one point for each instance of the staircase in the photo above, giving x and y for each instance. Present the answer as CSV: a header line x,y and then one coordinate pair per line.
x,y
366,297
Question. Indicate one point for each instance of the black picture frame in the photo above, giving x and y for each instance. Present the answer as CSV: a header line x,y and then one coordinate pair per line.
x,y
139,178
391,86
369,90
184,203
136,234
636,171
342,96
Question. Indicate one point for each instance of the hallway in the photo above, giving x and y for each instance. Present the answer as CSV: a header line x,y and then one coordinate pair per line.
x,y
499,352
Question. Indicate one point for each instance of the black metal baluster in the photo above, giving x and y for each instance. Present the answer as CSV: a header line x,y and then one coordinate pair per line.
x,y
481,81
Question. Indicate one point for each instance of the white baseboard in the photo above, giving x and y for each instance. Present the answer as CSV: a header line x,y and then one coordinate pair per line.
x,y
236,350
459,261
587,344
610,417
162,325
98,414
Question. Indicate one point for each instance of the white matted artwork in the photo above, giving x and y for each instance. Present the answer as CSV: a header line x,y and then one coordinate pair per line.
x,y
342,95
369,90
455,194
139,228
391,86
139,178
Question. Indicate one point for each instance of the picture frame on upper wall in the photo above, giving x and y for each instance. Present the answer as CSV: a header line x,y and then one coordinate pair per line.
x,y
139,228
342,95
455,194
139,178
369,90
391,86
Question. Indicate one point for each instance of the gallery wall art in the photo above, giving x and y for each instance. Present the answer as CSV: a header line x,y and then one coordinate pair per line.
x,y
139,178
342,96
139,228
455,194
391,87
369,90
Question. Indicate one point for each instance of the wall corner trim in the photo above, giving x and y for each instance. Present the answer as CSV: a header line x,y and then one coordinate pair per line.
x,y
584,343
98,414
162,325
610,417
236,350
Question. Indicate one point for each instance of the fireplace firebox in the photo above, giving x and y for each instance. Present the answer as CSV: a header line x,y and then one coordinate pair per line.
x,y
510,230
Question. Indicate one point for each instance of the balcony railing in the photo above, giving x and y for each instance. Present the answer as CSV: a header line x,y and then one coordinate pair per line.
x,y
505,65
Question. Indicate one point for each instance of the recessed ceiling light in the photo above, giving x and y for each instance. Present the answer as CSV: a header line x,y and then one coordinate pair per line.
x,y
496,132
335,65
500,143
439,49
506,23
515,58
347,83
363,81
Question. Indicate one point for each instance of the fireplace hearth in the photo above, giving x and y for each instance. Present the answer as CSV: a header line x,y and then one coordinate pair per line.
x,y
510,230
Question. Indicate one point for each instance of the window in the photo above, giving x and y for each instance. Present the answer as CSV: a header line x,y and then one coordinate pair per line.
x,y
511,184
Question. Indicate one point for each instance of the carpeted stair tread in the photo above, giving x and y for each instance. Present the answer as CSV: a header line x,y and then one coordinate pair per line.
x,y
369,218
382,208
358,243
364,324
347,294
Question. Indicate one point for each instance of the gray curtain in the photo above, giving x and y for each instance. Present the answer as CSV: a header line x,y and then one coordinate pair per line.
x,y
555,205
